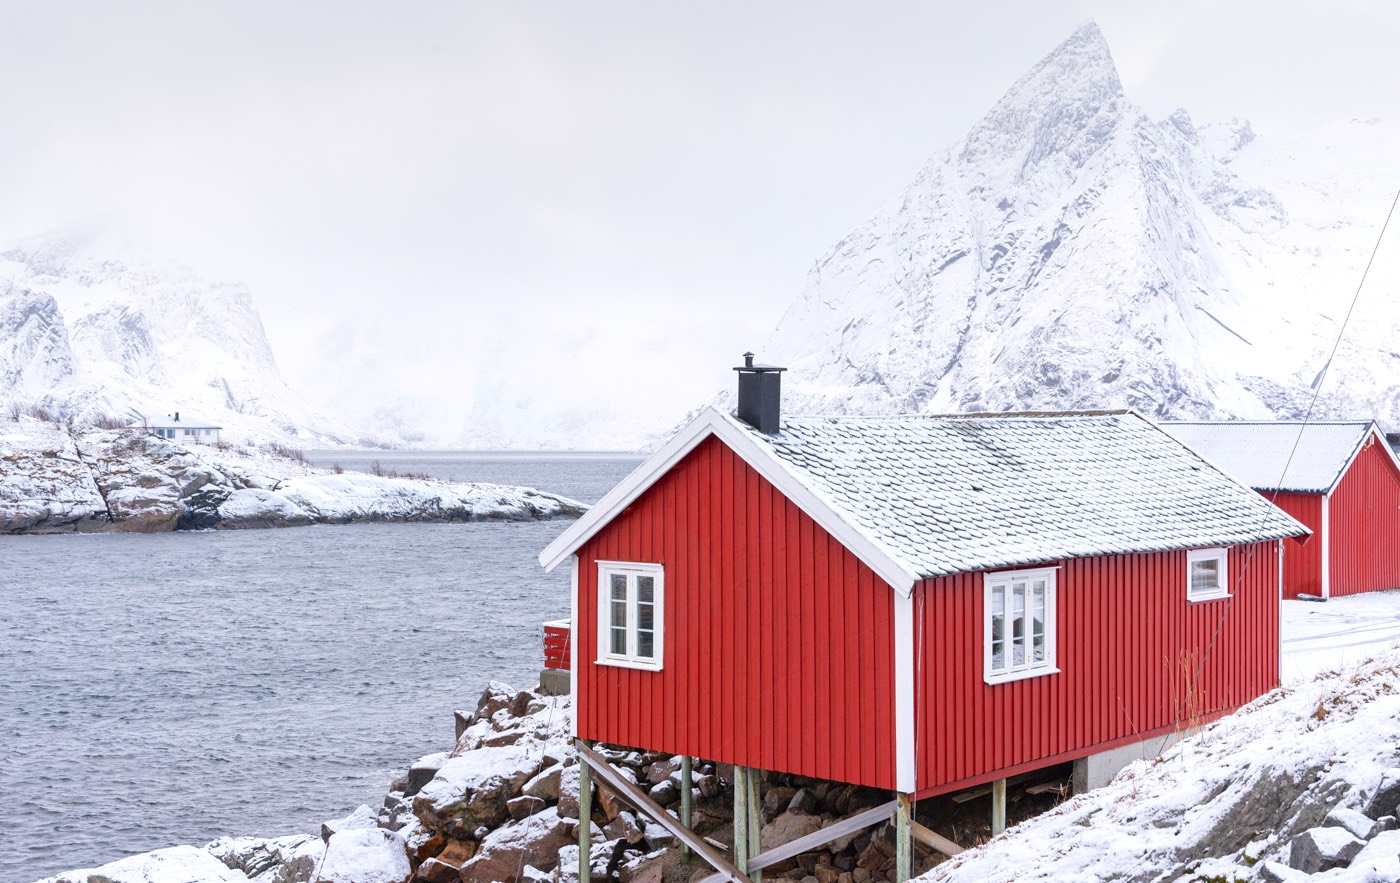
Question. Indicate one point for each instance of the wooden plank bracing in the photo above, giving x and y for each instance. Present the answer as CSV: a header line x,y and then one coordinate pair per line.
x,y
619,783
834,831
933,840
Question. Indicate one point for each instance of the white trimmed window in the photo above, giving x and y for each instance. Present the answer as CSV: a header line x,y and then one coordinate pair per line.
x,y
630,618
1019,625
1206,576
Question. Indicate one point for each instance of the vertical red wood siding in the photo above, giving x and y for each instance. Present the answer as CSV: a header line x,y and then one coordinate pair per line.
x,y
1128,647
778,644
1364,521
1302,562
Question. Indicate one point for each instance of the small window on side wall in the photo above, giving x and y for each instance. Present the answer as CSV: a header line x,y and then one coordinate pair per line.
x,y
630,608
1018,638
1206,576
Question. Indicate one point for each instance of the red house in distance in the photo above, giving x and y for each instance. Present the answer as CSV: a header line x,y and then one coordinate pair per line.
x,y
916,604
1340,479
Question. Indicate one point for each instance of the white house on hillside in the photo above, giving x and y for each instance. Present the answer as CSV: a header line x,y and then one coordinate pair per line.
x,y
190,430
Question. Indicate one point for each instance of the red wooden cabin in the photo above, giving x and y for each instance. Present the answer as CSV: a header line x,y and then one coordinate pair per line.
x,y
918,604
1340,479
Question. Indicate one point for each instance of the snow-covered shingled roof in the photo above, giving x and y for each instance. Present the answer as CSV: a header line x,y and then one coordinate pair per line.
x,y
1257,452
918,497
963,493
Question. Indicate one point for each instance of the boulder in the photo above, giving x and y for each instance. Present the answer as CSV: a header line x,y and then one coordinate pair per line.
x,y
471,790
568,791
1321,849
362,817
804,801
600,860
1273,872
365,855
545,786
787,827
275,860
665,793
178,863
422,772
434,871
535,841
1386,799
523,806
625,828
1352,821
662,770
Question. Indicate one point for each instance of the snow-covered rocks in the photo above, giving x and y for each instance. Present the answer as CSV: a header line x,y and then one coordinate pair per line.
x,y
365,855
177,864
1255,789
56,478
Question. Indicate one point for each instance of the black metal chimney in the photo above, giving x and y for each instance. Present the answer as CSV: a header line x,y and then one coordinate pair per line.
x,y
760,395
177,416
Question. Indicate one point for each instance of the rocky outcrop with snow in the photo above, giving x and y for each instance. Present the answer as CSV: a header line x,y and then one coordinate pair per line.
x,y
1305,779
1072,252
90,328
58,478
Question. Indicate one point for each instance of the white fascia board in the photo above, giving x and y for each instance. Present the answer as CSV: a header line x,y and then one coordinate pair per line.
x,y
1351,458
629,489
905,749
766,463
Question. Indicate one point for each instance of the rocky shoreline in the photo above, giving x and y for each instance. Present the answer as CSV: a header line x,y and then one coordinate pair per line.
x,y
56,478
502,807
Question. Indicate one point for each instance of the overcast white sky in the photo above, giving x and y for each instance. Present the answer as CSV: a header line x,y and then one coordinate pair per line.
x,y
609,198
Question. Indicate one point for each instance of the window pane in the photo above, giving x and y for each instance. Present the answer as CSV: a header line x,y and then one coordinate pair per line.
x,y
645,587
645,614
1038,621
998,614
619,586
619,641
646,646
619,614
1018,625
1205,575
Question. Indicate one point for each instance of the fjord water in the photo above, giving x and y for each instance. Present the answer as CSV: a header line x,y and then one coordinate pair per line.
x,y
173,688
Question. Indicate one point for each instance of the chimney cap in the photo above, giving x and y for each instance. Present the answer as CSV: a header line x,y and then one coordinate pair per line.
x,y
749,366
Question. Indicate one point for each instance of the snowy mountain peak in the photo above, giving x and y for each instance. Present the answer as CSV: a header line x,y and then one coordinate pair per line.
x,y
1071,252
1063,109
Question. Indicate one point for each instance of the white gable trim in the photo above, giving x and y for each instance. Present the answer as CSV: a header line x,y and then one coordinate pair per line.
x,y
905,747
874,554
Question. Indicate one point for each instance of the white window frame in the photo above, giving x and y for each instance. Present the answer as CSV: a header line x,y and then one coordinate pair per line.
x,y
631,659
1030,668
1217,553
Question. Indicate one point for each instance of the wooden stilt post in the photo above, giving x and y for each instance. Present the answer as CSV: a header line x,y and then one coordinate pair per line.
x,y
585,821
903,844
755,819
998,806
741,818
687,782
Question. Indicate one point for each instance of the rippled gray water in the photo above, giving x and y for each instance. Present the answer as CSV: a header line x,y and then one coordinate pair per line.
x,y
172,688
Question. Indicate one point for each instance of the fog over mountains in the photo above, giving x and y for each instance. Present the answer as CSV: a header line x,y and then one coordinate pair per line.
x,y
90,329
1069,252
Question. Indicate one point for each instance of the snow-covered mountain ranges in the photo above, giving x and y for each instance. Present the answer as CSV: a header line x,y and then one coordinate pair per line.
x,y
1072,252
89,328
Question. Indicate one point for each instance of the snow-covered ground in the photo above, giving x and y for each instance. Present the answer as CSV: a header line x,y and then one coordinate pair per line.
x,y
1226,802
1318,636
